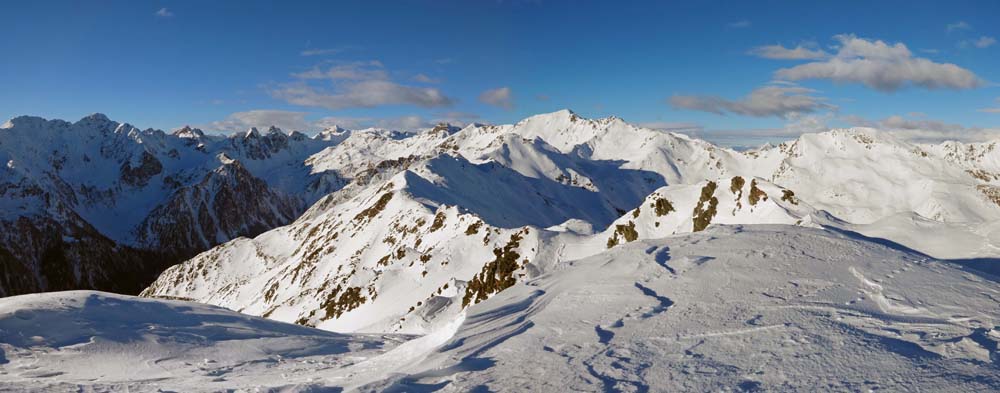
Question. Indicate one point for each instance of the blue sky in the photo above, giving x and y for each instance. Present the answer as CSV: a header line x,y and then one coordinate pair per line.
x,y
928,67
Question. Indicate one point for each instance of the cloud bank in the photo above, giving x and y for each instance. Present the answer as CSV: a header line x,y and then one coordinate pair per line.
x,y
355,85
883,67
773,100
500,97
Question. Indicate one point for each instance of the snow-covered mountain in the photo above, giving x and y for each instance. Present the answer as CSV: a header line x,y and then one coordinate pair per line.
x,y
729,308
102,204
554,252
456,216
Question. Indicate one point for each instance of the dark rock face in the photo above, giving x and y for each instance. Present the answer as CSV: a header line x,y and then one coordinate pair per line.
x,y
139,176
228,202
98,204
39,254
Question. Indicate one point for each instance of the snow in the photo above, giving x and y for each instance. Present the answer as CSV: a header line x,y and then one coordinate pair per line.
x,y
809,262
575,187
761,307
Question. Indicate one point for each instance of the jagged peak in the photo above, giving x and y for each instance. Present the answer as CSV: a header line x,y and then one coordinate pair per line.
x,y
188,132
225,159
446,127
298,136
335,129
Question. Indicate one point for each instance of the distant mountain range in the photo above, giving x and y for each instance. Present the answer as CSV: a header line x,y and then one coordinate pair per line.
x,y
98,204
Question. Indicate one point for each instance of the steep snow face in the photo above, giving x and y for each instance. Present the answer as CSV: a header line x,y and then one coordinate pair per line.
x,y
411,255
729,308
387,259
861,175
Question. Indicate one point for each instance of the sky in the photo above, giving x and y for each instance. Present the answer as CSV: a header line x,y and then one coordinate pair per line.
x,y
737,73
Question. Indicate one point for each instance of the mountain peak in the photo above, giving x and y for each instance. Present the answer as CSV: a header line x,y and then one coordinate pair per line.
x,y
559,115
188,132
96,117
22,121
446,127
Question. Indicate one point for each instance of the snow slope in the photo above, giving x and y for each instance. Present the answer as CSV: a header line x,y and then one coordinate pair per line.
x,y
446,218
97,341
730,308
446,233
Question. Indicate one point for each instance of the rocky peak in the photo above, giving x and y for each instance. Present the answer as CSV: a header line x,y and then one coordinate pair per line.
x,y
188,132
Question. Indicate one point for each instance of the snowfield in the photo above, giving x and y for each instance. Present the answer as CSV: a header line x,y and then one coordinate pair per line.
x,y
730,308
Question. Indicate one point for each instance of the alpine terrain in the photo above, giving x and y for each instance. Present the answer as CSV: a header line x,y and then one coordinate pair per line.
x,y
556,253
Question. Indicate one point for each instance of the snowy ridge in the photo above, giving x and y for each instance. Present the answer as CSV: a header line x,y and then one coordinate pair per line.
x,y
759,307
471,212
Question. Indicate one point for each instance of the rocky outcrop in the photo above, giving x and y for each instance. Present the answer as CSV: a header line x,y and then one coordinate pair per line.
x,y
139,176
228,202
39,254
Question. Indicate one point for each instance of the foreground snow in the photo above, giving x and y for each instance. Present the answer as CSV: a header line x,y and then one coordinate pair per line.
x,y
728,308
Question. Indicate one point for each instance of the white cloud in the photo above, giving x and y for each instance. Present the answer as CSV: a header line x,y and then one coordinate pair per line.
x,y
354,71
297,121
356,85
741,24
501,97
800,52
672,126
923,130
407,122
796,124
321,52
422,78
984,42
883,67
364,94
164,13
262,119
773,100
960,25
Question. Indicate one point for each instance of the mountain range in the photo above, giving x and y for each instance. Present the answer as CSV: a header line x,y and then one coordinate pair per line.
x,y
469,236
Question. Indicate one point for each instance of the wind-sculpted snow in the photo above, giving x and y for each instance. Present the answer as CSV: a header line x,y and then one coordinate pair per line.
x,y
730,308
94,340
756,308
